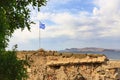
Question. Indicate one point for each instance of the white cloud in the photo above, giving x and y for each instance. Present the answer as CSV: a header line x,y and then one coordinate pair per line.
x,y
95,11
25,36
107,7
56,31
112,31
68,24
108,15
62,2
85,28
43,16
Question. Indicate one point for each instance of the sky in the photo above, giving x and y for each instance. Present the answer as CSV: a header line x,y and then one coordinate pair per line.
x,y
72,24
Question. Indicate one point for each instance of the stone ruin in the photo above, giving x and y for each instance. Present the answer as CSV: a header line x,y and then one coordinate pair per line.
x,y
51,65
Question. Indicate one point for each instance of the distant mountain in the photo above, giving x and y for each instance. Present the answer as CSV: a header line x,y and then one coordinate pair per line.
x,y
92,49
89,49
110,53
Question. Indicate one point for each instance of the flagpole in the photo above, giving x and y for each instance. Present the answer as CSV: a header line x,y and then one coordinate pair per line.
x,y
39,39
41,26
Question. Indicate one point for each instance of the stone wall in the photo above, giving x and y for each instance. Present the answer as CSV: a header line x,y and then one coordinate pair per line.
x,y
51,65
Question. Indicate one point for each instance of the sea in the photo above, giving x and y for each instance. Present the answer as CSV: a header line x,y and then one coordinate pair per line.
x,y
113,55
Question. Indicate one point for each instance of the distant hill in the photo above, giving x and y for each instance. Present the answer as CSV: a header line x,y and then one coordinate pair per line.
x,y
110,53
89,49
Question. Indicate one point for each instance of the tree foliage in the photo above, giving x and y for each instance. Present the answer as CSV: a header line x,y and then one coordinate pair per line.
x,y
11,68
14,14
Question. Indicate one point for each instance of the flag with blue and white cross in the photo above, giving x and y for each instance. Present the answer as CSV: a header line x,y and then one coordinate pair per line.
x,y
41,25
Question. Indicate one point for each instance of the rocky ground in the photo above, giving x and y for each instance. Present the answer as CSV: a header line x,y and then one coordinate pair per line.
x,y
51,65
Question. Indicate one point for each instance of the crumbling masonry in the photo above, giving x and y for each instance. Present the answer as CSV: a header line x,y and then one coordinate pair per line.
x,y
51,65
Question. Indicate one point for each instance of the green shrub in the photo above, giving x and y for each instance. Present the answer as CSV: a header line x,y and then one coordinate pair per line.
x,y
11,68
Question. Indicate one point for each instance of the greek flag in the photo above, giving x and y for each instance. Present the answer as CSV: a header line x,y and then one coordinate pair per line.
x,y
41,25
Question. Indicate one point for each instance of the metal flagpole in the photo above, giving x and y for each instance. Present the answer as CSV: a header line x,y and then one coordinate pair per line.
x,y
41,26
39,39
